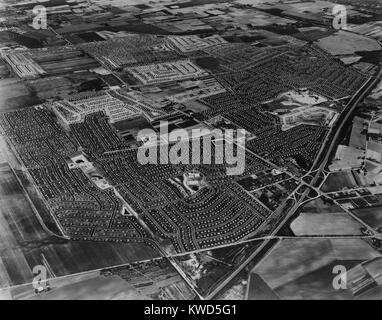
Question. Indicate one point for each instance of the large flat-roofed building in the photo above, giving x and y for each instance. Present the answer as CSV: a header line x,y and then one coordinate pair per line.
x,y
194,42
166,72
23,65
117,105
198,90
74,109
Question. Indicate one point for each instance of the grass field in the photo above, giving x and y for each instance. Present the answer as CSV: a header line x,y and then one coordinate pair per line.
x,y
25,244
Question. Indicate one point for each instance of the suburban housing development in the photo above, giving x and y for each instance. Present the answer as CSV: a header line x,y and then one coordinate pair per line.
x,y
84,91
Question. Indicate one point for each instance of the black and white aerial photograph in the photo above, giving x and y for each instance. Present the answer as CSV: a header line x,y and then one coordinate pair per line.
x,y
192,156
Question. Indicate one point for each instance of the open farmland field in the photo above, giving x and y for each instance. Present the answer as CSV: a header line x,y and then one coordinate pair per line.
x,y
317,284
338,181
61,60
88,286
303,268
15,95
338,223
98,288
69,65
320,206
25,244
347,43
371,216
